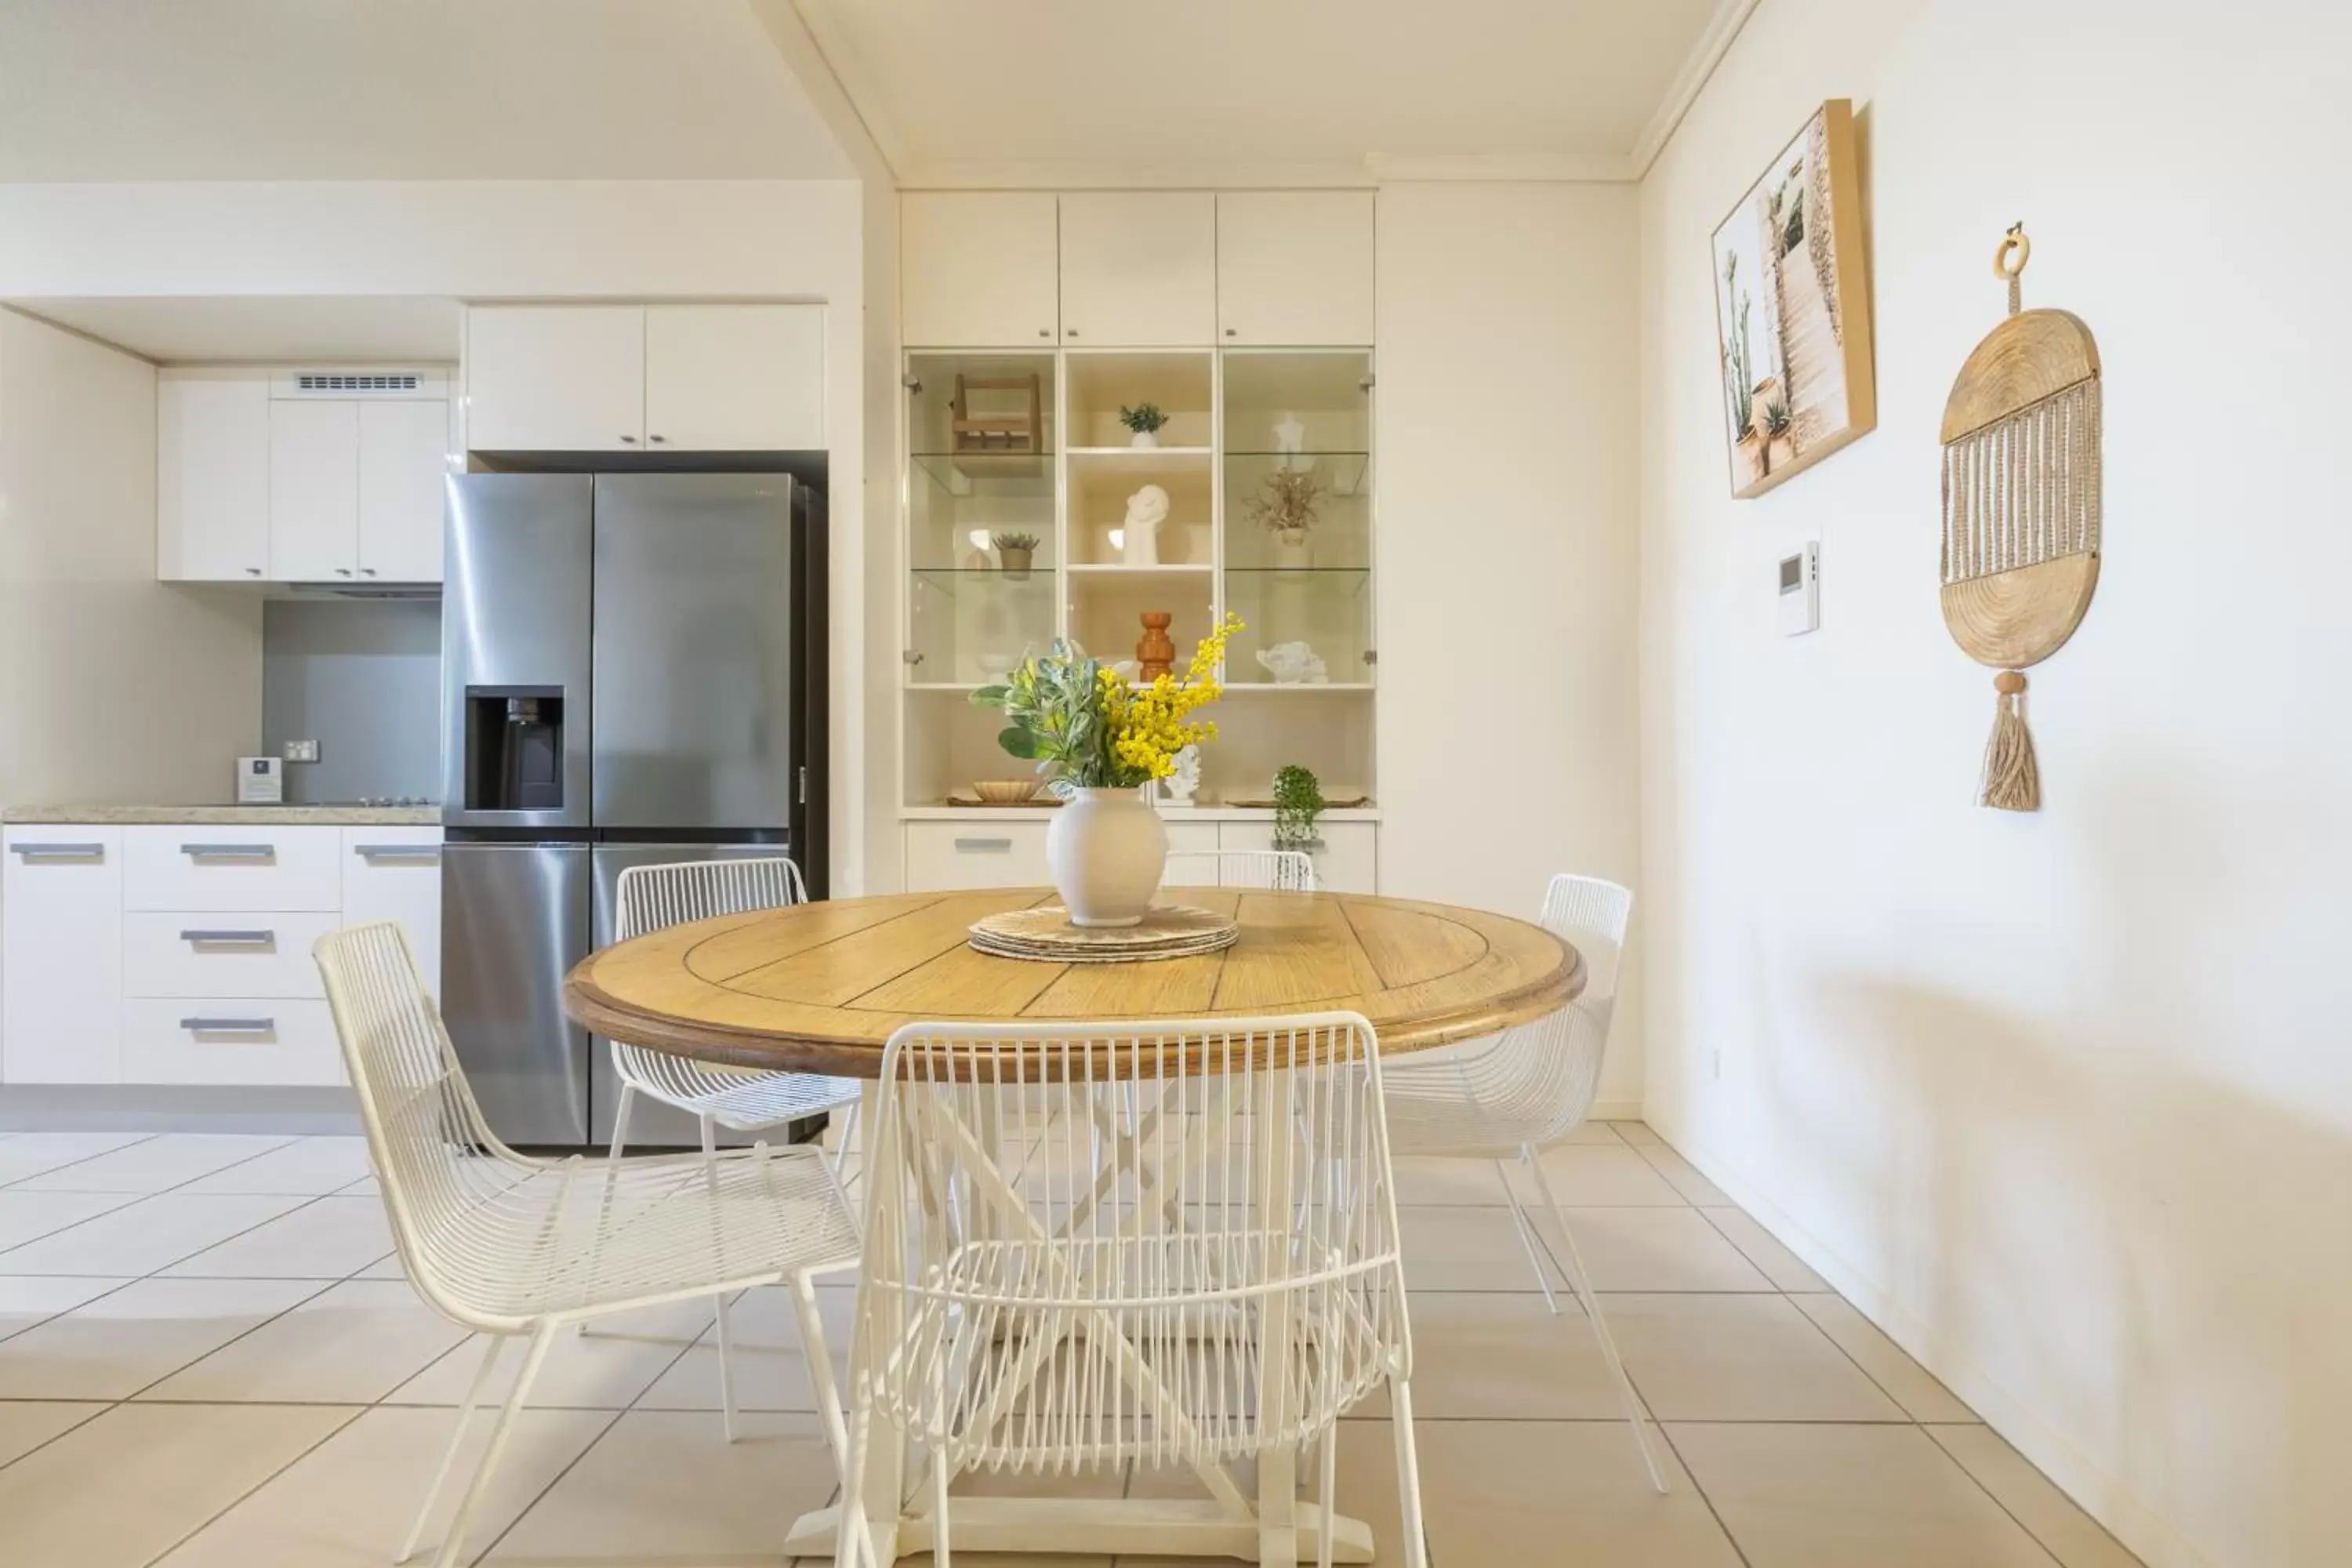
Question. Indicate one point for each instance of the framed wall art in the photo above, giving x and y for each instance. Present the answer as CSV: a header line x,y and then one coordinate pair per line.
x,y
1792,309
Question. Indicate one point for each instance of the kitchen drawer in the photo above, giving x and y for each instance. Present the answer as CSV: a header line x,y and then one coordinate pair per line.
x,y
1348,862
1192,855
941,855
232,869
260,1040
213,954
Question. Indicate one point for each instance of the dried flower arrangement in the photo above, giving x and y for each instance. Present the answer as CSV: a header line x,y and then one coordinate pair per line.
x,y
1286,502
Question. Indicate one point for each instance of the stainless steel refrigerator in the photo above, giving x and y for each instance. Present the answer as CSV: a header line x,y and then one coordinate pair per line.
x,y
633,672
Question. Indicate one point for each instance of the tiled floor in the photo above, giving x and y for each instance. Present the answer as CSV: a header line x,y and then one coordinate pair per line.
x,y
207,1356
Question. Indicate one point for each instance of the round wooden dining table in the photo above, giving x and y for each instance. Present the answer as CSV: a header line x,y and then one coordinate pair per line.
x,y
820,987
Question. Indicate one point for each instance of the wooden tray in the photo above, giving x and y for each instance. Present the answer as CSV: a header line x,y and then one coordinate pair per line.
x,y
1350,803
1045,935
966,802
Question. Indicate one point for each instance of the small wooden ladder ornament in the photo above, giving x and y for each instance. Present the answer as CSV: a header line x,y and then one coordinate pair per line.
x,y
2021,554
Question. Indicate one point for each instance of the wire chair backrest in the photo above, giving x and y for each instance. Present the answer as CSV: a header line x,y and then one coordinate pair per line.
x,y
1592,916
654,897
1277,871
1197,1193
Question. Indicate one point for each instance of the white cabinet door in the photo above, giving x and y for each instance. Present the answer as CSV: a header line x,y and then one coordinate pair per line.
x,y
735,378
212,491
314,490
394,874
944,855
555,378
1295,268
403,462
1347,863
61,955
1138,268
977,270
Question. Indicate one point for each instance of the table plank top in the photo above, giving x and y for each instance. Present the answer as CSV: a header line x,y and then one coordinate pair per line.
x,y
820,987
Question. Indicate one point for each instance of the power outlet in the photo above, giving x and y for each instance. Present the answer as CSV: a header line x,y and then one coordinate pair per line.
x,y
301,751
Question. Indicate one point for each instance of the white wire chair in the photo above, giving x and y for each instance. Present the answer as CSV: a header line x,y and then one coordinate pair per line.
x,y
1278,870
1521,1091
508,1245
1165,1285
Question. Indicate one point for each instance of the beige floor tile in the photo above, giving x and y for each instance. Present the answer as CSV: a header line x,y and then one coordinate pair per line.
x,y
665,1485
1106,1482
327,1238
27,1154
1684,1175
309,1167
1761,1247
1738,1358
2065,1530
1454,1248
365,1187
30,1299
24,1426
1565,1494
349,1502
1601,1132
144,1236
124,1341
1637,1133
1828,1496
1436,1181
352,1342
28,1217
771,1373
156,1164
1489,1356
1583,1176
119,1489
1367,1491
389,1266
606,1370
1911,1385
1659,1249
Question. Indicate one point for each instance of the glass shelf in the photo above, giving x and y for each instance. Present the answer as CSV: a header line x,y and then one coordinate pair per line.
x,y
1328,609
970,625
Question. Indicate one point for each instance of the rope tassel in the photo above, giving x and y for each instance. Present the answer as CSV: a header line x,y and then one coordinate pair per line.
x,y
2012,782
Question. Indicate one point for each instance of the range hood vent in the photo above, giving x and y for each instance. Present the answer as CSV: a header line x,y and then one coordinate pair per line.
x,y
350,382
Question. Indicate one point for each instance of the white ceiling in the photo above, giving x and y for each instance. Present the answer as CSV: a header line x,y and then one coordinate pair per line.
x,y
399,89
265,326
1207,91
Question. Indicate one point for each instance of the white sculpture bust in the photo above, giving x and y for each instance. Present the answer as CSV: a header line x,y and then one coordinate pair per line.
x,y
1147,508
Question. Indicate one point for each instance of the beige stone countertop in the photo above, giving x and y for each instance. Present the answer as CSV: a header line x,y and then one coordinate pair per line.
x,y
228,815
1171,814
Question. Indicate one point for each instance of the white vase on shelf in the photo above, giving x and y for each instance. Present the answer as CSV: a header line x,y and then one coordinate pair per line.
x,y
1107,850
1294,549
1143,441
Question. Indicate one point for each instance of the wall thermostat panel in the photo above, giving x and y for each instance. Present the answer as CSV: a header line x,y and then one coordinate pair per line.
x,y
1800,591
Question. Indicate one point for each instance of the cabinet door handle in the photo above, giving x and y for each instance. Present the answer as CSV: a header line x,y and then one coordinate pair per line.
x,y
343,571
983,846
62,852
1074,331
630,441
367,571
253,571
658,439
229,851
1045,331
397,851
230,938
202,1026
1232,333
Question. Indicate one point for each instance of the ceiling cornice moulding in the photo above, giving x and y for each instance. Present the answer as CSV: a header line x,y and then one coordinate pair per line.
x,y
1713,42
1497,168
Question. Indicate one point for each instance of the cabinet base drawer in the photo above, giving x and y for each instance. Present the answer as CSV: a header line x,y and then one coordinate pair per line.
x,y
217,954
945,855
237,868
229,1039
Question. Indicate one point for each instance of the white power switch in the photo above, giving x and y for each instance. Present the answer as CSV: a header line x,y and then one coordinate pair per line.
x,y
1800,591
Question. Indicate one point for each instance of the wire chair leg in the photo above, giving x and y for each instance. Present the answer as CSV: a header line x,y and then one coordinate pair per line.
x,y
1416,1546
841,1148
1526,1234
455,1538
718,1303
940,1468
491,1354
1572,1265
820,1369
612,1168
1329,1496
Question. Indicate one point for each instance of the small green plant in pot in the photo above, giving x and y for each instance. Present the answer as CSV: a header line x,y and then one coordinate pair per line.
x,y
1144,422
1297,802
1015,552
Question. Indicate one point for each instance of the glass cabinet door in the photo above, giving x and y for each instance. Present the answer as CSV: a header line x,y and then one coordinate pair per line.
x,y
981,539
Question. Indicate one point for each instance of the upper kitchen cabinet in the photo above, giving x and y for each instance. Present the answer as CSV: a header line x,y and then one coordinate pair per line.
x,y
734,378
1138,268
213,476
403,460
978,269
555,378
1294,268
314,490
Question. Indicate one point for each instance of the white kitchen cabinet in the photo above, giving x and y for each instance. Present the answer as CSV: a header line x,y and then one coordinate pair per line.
x,y
234,867
272,1041
314,490
555,378
734,378
61,955
1138,268
946,855
1348,862
212,495
978,269
394,874
403,462
196,956
1295,268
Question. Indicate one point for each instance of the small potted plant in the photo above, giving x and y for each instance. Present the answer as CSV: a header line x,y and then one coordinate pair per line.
x,y
1297,802
1285,507
1144,420
1015,552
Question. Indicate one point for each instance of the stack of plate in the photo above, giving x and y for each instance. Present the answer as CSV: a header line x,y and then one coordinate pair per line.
x,y
1046,935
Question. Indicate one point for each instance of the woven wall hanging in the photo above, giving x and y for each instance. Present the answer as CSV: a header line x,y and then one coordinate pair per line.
x,y
2020,509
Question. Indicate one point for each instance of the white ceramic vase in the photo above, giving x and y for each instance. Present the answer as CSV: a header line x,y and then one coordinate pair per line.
x,y
1107,850
1294,549
1143,439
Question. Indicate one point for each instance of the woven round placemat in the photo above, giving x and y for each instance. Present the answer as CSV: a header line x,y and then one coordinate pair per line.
x,y
1045,935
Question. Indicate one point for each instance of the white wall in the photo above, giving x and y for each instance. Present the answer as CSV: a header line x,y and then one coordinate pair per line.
x,y
1507,442
113,688
2064,1100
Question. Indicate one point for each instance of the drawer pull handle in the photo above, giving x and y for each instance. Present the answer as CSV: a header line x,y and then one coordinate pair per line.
x,y
229,851
983,846
229,1026
397,851
62,852
230,938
